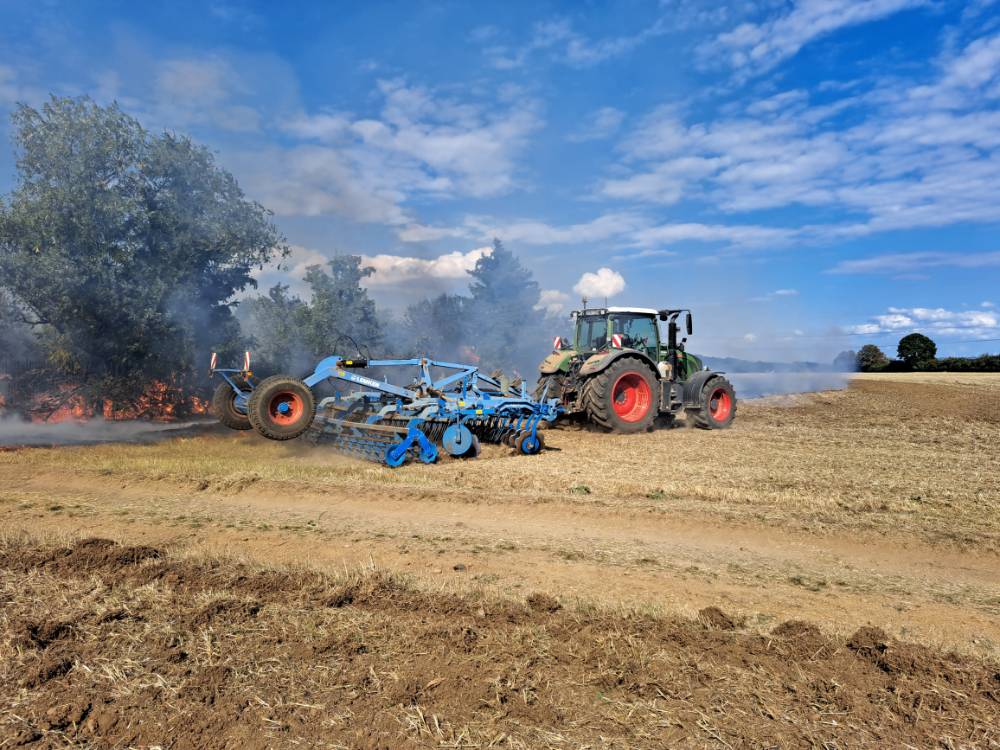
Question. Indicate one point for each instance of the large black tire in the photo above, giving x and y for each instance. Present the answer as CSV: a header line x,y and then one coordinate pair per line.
x,y
555,382
716,409
281,407
224,407
622,398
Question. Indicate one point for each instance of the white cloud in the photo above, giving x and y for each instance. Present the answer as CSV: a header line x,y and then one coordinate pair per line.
x,y
313,180
905,263
603,283
898,155
749,337
988,305
932,321
552,301
14,91
563,44
759,46
395,270
423,142
776,294
416,232
742,236
530,232
397,279
369,170
203,91
600,124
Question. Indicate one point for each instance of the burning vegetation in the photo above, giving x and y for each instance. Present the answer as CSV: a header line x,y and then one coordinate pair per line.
x,y
159,402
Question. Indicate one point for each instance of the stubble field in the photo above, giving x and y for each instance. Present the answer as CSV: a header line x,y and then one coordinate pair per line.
x,y
827,571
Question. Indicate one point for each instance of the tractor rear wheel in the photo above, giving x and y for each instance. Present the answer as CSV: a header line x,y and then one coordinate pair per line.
x,y
551,385
224,408
622,398
717,407
281,407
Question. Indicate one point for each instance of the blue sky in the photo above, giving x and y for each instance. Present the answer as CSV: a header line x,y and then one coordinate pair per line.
x,y
808,175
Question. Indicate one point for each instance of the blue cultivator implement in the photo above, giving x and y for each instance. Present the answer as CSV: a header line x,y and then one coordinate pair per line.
x,y
447,404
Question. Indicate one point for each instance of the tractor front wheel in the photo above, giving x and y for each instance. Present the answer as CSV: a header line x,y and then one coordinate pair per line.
x,y
717,407
281,407
224,408
622,398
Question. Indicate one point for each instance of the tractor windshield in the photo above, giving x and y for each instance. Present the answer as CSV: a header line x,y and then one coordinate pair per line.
x,y
591,333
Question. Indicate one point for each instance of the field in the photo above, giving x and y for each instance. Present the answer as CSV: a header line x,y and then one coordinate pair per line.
x,y
824,574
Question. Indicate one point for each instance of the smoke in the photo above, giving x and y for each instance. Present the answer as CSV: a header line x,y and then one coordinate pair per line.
x,y
16,433
759,384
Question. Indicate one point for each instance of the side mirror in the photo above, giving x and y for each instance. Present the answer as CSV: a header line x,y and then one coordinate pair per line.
x,y
663,314
690,325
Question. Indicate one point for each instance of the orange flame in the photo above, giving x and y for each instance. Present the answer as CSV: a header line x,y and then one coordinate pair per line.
x,y
160,402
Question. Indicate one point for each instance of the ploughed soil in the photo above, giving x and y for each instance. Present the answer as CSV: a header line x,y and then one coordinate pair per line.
x,y
103,645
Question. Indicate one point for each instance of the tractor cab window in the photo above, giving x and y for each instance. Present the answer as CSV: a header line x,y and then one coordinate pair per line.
x,y
637,331
592,333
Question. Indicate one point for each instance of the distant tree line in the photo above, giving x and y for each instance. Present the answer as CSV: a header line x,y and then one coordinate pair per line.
x,y
915,352
127,256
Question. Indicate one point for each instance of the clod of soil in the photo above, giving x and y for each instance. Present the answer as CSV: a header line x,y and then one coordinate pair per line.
x,y
541,602
713,617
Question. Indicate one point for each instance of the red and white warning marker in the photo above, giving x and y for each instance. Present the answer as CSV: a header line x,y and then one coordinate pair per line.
x,y
616,341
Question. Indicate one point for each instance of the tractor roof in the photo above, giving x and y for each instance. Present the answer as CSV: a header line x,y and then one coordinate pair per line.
x,y
606,310
636,310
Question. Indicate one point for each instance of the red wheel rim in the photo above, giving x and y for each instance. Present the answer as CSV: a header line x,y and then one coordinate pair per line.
x,y
720,405
285,407
631,397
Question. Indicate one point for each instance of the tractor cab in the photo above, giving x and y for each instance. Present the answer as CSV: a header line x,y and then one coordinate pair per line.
x,y
618,327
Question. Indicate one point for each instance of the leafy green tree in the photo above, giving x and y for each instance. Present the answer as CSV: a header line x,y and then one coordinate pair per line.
x,y
438,328
340,314
505,328
273,324
846,361
124,247
917,350
870,359
292,335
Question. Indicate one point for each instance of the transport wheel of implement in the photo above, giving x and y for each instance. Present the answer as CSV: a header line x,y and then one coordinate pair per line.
x,y
282,407
529,445
622,398
224,408
718,405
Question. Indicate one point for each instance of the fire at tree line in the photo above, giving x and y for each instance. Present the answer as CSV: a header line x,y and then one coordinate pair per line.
x,y
122,254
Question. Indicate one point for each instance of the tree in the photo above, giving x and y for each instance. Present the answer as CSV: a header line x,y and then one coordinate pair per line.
x,y
340,315
916,350
274,325
125,248
438,328
505,328
870,359
291,335
846,361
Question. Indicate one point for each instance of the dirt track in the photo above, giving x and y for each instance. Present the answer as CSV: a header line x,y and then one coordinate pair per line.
x,y
875,506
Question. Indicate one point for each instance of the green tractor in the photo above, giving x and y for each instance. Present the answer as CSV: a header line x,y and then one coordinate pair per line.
x,y
620,375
